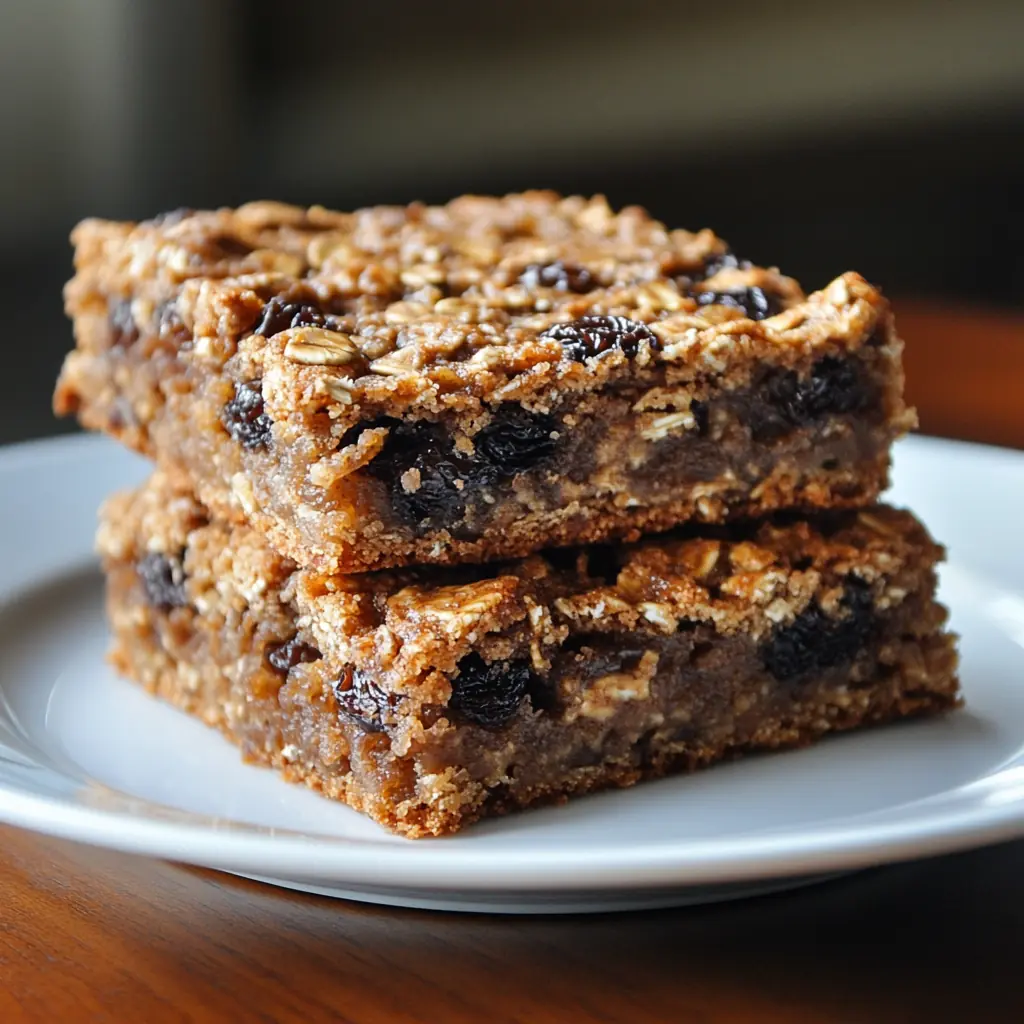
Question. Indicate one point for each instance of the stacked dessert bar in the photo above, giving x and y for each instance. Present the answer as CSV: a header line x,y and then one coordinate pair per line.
x,y
462,508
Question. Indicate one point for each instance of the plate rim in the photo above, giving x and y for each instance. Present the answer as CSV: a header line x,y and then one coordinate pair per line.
x,y
423,864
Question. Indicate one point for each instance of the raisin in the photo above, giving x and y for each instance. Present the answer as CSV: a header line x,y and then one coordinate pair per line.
x,y
425,450
422,455
123,330
754,303
700,416
813,642
594,335
244,419
163,579
712,264
563,277
286,656
278,315
514,441
727,260
359,697
834,386
490,695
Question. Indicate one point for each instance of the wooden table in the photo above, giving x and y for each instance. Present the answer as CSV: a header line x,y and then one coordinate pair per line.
x,y
88,935
965,372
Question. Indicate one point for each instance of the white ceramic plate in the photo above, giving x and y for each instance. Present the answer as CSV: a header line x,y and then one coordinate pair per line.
x,y
88,756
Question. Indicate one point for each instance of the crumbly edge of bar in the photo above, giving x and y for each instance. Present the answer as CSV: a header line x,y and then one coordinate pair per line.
x,y
421,625
377,549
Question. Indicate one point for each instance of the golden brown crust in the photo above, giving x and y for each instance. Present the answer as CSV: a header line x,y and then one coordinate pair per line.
x,y
433,351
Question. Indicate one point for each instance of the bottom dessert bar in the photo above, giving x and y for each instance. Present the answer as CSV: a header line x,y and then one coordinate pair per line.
x,y
431,698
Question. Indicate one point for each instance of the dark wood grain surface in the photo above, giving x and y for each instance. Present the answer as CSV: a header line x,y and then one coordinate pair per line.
x,y
97,936
89,935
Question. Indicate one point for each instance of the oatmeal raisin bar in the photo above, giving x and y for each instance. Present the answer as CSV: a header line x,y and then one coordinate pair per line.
x,y
475,381
428,698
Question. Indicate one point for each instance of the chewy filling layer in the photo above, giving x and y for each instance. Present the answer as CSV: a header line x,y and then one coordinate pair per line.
x,y
642,703
525,460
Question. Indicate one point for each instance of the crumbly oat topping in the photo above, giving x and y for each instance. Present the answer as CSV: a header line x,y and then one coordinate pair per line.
x,y
432,306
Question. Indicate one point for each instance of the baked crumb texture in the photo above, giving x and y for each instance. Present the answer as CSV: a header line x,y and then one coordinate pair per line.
x,y
429,698
475,381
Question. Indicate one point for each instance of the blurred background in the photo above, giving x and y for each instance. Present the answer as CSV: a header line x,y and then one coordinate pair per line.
x,y
885,136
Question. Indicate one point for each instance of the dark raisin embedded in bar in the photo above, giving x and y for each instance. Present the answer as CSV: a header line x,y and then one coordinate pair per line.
x,y
477,381
431,697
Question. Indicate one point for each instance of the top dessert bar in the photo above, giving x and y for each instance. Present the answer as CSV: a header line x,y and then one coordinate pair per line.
x,y
475,381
